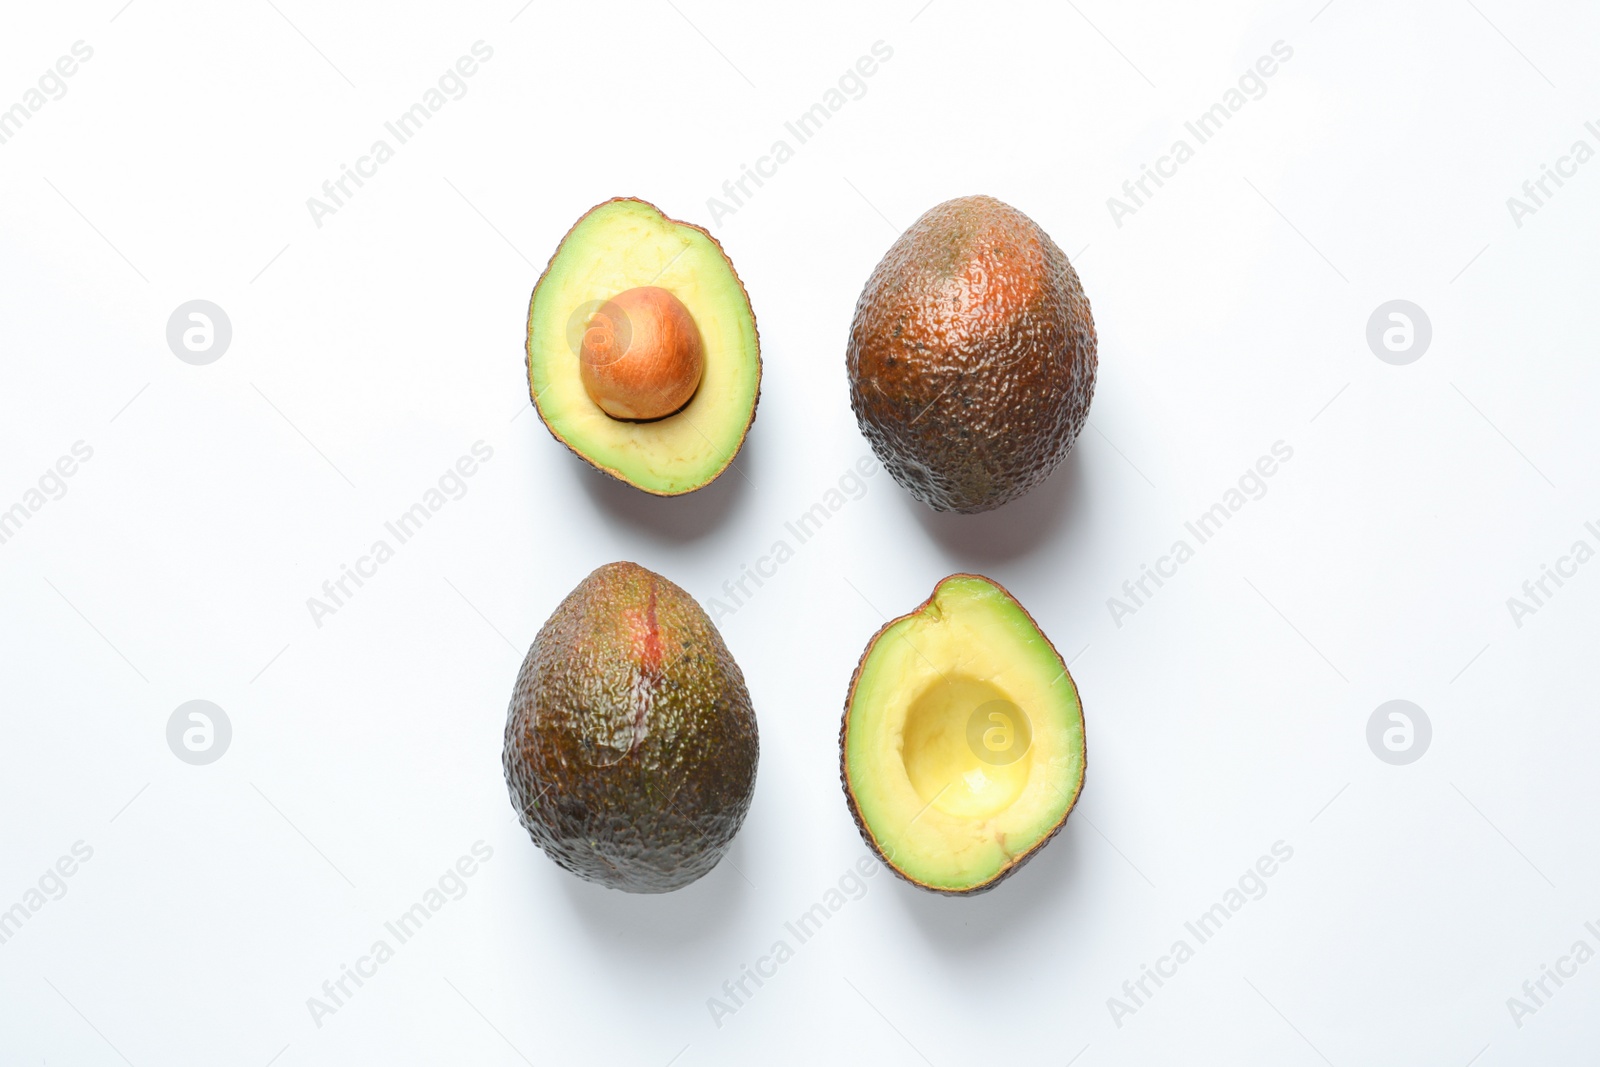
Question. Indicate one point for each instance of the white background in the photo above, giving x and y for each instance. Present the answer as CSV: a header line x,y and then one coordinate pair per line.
x,y
368,354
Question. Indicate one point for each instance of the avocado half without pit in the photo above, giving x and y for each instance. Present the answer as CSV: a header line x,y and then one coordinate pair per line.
x,y
962,748
643,356
631,745
972,356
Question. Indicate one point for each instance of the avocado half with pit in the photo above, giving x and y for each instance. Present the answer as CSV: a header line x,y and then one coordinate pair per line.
x,y
643,356
962,749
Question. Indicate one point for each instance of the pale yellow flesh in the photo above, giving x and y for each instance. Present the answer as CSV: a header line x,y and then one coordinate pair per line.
x,y
619,246
941,814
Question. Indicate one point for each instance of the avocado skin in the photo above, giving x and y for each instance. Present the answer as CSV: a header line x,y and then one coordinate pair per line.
x,y
972,356
631,744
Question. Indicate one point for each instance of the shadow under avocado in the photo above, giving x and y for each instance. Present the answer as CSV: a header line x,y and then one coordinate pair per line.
x,y
672,519
658,924
1012,530
1008,912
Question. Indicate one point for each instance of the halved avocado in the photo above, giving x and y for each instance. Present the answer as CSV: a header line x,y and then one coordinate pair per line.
x,y
621,246
962,749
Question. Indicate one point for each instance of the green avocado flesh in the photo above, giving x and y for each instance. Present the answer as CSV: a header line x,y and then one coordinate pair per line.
x,y
622,245
962,748
631,745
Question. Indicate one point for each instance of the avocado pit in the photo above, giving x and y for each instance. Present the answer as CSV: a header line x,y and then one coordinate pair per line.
x,y
642,355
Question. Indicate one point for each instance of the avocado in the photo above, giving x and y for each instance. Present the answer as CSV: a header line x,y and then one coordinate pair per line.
x,y
972,356
630,745
643,356
962,748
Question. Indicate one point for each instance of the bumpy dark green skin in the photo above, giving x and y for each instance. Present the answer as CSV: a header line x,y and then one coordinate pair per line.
x,y
972,356
631,745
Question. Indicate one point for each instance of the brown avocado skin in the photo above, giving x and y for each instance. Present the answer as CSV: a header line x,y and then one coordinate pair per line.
x,y
972,356
867,836
631,744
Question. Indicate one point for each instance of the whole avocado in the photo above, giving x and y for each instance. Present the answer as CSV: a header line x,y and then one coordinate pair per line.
x,y
631,745
972,356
